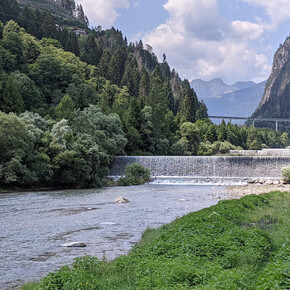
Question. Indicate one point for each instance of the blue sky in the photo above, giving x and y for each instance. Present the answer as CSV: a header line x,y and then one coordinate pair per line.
x,y
231,39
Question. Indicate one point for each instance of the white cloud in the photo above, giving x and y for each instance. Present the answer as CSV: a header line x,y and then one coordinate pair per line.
x,y
277,10
103,12
200,43
247,30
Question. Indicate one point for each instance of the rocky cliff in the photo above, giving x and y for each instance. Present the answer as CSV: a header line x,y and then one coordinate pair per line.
x,y
276,98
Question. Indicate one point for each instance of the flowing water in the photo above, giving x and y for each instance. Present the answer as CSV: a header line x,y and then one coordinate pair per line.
x,y
34,225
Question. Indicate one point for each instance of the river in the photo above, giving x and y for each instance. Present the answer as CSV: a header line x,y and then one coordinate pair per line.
x,y
34,225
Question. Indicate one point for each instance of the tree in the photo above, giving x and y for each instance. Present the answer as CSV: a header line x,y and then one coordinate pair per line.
x,y
117,65
91,53
9,9
11,99
144,86
189,104
190,136
65,109
254,141
131,77
12,40
72,44
104,63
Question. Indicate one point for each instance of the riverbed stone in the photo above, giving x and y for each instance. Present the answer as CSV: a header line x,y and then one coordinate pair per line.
x,y
269,182
252,181
121,199
75,244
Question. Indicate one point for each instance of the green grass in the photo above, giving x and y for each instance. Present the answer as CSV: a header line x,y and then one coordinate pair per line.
x,y
237,244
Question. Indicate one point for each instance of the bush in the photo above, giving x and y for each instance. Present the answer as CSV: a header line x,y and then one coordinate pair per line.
x,y
135,174
286,174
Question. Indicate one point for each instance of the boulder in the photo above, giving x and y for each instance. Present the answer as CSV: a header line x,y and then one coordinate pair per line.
x,y
252,181
269,182
121,199
276,182
75,244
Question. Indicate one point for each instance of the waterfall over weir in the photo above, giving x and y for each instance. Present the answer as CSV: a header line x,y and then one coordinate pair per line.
x,y
205,166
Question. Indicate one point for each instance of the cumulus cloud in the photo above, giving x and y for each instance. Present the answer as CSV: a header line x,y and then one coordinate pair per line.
x,y
277,10
200,43
103,12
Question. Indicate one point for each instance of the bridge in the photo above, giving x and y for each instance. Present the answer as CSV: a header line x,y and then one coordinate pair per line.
x,y
253,120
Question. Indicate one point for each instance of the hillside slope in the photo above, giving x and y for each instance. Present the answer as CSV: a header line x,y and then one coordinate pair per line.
x,y
276,101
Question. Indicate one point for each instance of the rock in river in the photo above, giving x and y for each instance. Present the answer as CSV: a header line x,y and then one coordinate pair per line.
x,y
121,199
75,244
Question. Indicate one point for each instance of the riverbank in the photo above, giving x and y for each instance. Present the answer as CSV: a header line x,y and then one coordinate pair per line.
x,y
234,244
236,192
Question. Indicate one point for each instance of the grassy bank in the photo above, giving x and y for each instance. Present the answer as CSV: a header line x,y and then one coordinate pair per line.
x,y
237,244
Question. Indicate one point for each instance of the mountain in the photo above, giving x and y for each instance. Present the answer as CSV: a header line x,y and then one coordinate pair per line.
x,y
239,99
65,12
216,87
239,103
276,100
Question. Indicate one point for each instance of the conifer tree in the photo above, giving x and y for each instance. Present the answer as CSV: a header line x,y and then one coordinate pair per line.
x,y
117,65
91,53
104,63
189,104
144,86
72,44
131,77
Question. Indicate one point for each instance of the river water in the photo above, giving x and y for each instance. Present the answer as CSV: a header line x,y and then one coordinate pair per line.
x,y
34,225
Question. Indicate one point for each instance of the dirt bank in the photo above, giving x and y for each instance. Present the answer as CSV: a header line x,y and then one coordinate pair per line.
x,y
233,192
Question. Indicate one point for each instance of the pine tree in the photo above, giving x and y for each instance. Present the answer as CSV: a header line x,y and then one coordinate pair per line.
x,y
72,44
189,103
117,65
91,53
144,86
131,77
105,63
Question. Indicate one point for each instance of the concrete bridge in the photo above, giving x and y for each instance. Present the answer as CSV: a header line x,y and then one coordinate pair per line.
x,y
252,120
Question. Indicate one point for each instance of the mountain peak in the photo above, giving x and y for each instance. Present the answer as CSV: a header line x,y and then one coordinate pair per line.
x,y
275,101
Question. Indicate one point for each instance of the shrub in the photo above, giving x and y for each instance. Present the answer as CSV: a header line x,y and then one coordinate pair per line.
x,y
286,174
135,174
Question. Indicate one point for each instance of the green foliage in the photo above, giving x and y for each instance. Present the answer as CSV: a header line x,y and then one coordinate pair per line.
x,y
65,109
135,174
232,245
286,174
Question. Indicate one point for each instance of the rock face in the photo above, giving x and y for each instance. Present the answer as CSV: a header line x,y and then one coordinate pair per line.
x,y
276,100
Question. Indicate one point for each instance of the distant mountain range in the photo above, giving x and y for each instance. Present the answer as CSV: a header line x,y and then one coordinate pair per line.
x,y
240,99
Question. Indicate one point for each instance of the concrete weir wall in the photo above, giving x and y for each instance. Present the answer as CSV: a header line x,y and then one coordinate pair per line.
x,y
206,166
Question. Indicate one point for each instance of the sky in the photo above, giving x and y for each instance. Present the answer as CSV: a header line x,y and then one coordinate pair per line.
x,y
234,40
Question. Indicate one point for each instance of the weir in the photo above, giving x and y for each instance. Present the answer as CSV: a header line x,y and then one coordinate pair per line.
x,y
206,166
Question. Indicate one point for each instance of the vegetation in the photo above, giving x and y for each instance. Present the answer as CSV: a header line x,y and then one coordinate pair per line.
x,y
135,174
286,174
237,244
53,82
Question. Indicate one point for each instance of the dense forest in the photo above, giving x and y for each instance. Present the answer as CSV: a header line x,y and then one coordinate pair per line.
x,y
69,102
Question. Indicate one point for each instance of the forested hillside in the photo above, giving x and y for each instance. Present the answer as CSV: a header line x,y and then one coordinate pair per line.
x,y
70,102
